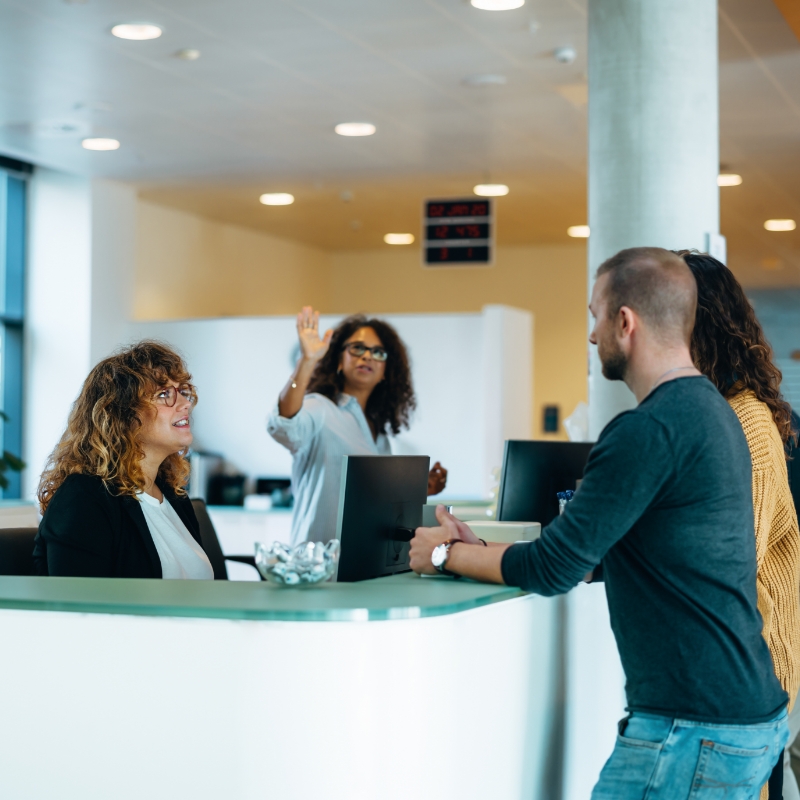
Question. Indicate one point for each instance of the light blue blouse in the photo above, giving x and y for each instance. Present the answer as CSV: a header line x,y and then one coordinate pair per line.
x,y
318,436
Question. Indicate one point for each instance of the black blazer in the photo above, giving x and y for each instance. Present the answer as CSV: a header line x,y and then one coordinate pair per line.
x,y
89,532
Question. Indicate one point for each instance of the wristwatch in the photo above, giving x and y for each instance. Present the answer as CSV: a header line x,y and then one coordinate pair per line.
x,y
440,555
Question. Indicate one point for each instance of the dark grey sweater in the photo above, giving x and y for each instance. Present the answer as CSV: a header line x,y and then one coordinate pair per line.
x,y
666,505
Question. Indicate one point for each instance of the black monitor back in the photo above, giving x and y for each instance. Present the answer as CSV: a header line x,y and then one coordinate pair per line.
x,y
533,473
378,496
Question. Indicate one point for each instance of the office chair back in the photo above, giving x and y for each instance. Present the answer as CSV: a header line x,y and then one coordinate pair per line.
x,y
16,551
209,540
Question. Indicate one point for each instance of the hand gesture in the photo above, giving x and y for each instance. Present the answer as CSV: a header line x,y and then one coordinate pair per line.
x,y
312,346
437,479
426,539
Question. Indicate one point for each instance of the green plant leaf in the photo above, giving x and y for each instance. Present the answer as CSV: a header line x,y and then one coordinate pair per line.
x,y
14,462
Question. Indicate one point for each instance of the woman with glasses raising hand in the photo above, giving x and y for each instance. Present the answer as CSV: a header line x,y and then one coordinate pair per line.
x,y
350,389
112,493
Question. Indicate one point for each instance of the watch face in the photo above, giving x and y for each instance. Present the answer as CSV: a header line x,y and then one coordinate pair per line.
x,y
439,555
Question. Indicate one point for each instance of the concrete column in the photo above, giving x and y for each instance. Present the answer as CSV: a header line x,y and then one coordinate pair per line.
x,y
653,141
653,165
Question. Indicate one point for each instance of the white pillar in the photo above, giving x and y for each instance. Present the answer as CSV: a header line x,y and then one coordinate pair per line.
x,y
653,165
81,235
653,141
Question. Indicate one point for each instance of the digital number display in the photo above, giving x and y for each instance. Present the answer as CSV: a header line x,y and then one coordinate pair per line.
x,y
457,208
471,231
457,255
458,232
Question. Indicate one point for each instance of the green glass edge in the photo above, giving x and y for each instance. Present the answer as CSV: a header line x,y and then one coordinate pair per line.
x,y
266,615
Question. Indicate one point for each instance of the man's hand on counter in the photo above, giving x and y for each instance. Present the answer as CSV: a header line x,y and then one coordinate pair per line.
x,y
468,557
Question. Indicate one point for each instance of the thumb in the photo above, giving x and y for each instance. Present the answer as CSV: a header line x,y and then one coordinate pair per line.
x,y
442,515
328,336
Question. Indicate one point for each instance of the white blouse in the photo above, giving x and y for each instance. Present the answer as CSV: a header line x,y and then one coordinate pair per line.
x,y
181,556
318,436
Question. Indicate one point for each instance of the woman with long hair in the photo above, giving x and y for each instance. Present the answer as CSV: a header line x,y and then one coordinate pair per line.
x,y
729,347
113,492
350,389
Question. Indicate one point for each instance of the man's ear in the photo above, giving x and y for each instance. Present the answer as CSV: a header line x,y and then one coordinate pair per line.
x,y
626,322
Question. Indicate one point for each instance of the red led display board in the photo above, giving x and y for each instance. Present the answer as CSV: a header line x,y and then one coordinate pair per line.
x,y
457,231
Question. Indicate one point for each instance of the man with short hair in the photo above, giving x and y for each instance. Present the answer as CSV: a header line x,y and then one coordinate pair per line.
x,y
664,516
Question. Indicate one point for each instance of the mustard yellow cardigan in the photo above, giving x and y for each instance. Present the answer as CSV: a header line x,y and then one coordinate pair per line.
x,y
777,540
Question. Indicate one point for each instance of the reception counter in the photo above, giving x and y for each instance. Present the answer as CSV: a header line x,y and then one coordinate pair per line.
x,y
401,687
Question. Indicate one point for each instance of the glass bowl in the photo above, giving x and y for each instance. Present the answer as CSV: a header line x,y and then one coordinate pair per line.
x,y
307,563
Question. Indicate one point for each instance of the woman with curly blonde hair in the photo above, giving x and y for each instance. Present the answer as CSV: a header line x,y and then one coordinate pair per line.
x,y
112,493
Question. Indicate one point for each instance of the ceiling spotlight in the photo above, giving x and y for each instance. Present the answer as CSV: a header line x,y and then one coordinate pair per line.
x,y
399,238
565,55
578,231
490,189
497,5
276,199
138,31
486,80
100,144
187,54
728,179
355,129
780,224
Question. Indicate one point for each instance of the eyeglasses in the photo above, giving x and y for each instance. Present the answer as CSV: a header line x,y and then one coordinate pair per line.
x,y
357,349
168,395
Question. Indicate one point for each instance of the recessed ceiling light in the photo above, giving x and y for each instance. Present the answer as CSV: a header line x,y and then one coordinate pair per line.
x,y
276,199
355,129
497,5
729,179
486,80
780,224
490,189
187,54
578,231
565,55
399,238
100,144
138,31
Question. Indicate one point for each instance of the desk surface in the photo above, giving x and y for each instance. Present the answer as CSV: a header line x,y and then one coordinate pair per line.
x,y
405,596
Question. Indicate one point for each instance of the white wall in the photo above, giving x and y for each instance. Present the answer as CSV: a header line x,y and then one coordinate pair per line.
x,y
240,365
81,246
114,220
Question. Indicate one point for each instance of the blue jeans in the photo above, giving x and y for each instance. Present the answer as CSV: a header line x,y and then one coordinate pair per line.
x,y
658,758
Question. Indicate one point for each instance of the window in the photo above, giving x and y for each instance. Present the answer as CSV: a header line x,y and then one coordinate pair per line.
x,y
13,195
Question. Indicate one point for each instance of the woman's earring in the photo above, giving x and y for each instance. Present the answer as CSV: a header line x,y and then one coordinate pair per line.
x,y
339,371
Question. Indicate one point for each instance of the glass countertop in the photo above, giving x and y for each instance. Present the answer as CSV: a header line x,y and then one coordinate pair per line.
x,y
405,596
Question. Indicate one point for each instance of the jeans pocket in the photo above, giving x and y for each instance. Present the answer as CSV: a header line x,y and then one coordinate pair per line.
x,y
629,771
733,773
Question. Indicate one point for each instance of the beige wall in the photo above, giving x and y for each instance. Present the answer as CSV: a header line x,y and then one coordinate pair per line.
x,y
187,266
549,281
192,267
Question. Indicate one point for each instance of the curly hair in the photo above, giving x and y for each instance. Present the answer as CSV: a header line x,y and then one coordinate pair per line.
x,y
390,405
101,434
728,343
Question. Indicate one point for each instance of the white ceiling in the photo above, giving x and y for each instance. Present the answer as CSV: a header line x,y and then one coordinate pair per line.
x,y
256,111
275,77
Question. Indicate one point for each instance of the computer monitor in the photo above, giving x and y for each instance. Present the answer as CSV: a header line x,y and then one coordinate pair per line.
x,y
533,473
380,505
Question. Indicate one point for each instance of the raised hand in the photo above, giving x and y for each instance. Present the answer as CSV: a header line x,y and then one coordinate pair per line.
x,y
312,346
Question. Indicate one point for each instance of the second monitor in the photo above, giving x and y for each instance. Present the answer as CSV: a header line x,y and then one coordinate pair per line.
x,y
533,473
380,506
